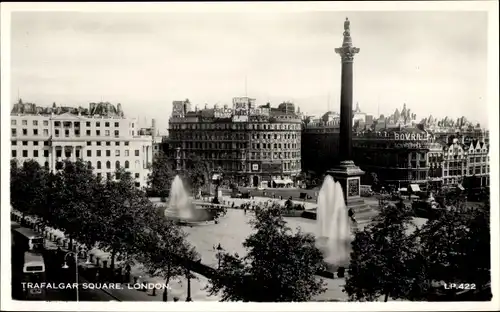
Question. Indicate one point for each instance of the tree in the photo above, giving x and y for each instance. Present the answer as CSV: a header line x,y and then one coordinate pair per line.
x,y
165,249
382,257
122,215
29,185
74,201
456,248
162,175
197,173
279,266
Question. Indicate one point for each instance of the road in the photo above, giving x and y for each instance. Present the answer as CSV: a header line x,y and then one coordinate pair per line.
x,y
56,274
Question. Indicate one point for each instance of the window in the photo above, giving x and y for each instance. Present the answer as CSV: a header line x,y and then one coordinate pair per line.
x,y
45,132
58,153
25,143
98,143
108,175
98,124
98,153
108,165
106,124
13,132
14,143
35,143
57,123
25,153
66,133
13,122
89,164
108,143
117,143
56,132
99,175
117,133
136,152
45,122
88,123
98,165
126,143
35,153
88,132
25,122
89,153
108,153
46,165
35,122
35,131
14,154
98,132
25,131
45,153
137,184
127,164
137,175
117,152
106,133
117,124
126,153
89,143
117,164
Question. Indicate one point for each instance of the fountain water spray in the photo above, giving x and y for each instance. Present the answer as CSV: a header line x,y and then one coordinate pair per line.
x,y
179,204
334,229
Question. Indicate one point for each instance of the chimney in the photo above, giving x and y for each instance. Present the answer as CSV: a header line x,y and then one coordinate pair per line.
x,y
153,126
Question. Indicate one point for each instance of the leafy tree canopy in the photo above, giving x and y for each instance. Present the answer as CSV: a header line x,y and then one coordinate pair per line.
x,y
279,266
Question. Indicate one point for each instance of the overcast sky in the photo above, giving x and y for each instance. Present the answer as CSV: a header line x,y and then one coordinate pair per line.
x,y
435,62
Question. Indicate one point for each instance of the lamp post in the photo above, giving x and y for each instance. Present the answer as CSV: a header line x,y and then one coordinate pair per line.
x,y
219,250
188,276
65,266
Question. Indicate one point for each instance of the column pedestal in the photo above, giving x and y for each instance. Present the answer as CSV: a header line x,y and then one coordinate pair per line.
x,y
349,177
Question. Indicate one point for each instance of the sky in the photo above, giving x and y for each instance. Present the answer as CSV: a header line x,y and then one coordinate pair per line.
x,y
435,62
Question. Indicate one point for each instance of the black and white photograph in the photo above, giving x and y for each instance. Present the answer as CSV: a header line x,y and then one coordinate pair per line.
x,y
235,152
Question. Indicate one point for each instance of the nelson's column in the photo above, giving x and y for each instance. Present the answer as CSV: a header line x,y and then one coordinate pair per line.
x,y
347,173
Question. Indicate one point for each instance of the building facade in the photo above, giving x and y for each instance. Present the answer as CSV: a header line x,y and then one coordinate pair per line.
x,y
255,145
399,156
99,135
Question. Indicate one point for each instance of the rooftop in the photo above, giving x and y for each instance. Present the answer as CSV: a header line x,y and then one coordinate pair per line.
x,y
101,109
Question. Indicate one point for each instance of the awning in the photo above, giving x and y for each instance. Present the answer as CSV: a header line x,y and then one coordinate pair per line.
x,y
414,188
279,181
460,187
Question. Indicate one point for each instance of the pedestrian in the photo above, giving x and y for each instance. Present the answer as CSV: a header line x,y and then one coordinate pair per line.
x,y
351,215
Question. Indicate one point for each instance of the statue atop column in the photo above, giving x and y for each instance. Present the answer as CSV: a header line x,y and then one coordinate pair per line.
x,y
347,27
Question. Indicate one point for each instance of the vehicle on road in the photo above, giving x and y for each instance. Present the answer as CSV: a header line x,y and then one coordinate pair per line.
x,y
25,239
27,275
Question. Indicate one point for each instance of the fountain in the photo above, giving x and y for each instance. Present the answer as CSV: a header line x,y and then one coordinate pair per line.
x,y
333,225
180,206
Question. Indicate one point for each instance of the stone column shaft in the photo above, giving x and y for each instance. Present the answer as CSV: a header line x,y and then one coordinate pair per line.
x,y
345,143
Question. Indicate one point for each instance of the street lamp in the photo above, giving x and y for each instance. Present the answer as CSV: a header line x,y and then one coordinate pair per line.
x,y
219,250
65,266
188,275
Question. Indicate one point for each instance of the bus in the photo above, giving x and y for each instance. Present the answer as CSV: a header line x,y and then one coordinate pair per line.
x,y
25,239
33,273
